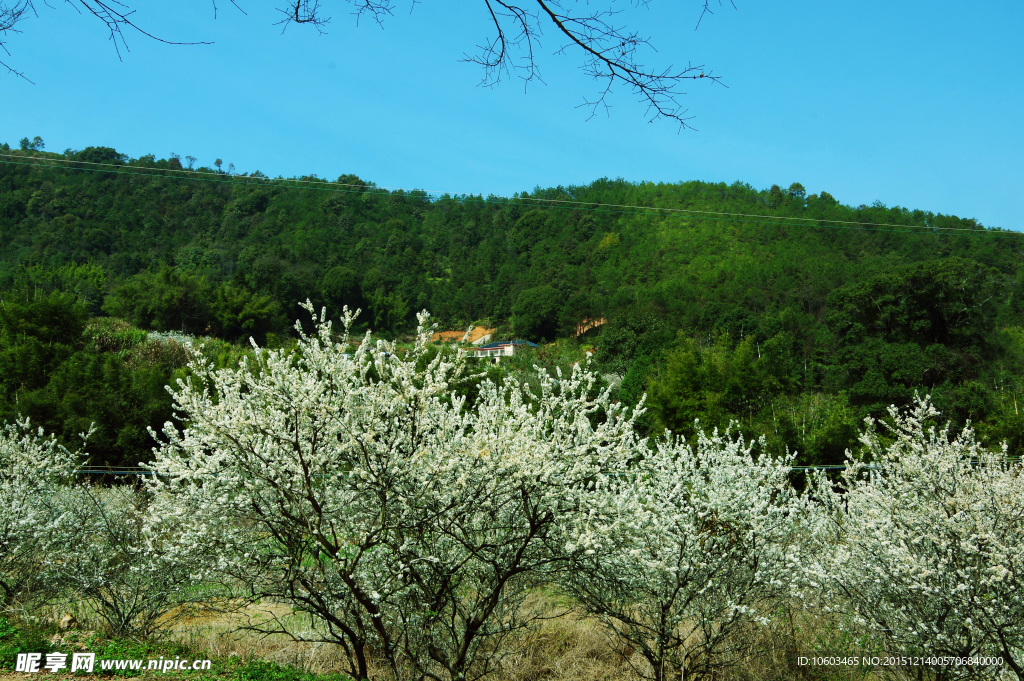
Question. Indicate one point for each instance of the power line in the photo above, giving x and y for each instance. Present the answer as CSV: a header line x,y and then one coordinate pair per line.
x,y
564,203
572,202
450,193
323,185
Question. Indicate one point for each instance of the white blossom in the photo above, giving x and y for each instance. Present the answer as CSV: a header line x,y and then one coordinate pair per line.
x,y
360,490
928,543
33,467
704,539
109,554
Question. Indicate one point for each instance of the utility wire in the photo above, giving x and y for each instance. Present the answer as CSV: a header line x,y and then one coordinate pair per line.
x,y
449,193
324,185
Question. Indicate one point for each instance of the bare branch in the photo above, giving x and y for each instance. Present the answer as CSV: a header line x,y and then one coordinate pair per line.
x,y
377,9
233,2
303,12
18,74
117,16
309,12
10,15
495,55
609,51
609,54
707,10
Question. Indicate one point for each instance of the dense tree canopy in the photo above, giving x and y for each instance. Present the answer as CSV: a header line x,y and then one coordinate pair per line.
x,y
718,303
536,313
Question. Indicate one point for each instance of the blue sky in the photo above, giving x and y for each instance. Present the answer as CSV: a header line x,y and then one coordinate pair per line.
x,y
908,103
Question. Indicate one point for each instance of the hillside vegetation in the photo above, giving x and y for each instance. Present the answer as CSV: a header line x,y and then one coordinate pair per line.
x,y
792,314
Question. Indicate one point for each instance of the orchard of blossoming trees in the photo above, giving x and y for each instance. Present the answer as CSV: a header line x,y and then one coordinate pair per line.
x,y
408,523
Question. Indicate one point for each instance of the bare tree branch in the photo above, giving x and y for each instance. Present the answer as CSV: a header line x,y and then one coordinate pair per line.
x,y
707,10
233,2
303,12
377,9
115,15
10,15
610,52
308,12
494,56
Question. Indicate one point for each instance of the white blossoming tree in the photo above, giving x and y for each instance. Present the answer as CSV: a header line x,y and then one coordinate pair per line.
x,y
928,544
107,559
707,544
358,490
32,468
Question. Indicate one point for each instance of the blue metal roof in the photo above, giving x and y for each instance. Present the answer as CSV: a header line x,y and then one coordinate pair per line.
x,y
491,346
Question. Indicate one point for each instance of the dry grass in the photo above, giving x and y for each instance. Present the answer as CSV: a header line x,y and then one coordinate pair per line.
x,y
565,648
218,634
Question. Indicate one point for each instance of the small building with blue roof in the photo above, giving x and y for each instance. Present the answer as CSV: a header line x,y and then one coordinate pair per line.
x,y
495,351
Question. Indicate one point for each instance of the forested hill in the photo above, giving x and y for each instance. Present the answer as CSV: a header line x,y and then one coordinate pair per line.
x,y
793,313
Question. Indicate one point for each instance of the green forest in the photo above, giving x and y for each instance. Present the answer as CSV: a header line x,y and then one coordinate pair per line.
x,y
790,314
